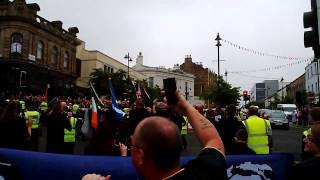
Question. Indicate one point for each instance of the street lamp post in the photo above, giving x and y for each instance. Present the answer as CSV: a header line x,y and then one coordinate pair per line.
x,y
218,39
127,56
281,89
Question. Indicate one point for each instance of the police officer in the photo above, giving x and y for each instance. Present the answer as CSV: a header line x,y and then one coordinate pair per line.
x,y
34,116
184,132
75,108
259,132
70,136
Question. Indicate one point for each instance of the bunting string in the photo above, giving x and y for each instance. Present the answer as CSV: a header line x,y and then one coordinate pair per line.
x,y
259,53
272,68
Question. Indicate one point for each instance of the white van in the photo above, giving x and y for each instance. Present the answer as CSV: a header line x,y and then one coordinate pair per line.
x,y
288,109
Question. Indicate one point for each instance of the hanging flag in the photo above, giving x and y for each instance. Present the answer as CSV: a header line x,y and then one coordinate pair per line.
x,y
46,93
118,112
94,114
138,92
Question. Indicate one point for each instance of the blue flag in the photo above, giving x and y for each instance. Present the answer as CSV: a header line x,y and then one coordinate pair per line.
x,y
119,113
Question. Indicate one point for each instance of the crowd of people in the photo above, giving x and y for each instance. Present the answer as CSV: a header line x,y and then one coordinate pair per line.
x,y
153,136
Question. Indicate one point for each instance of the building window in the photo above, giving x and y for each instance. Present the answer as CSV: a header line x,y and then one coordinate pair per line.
x,y
23,79
151,82
40,49
107,69
16,43
54,55
312,87
316,87
65,60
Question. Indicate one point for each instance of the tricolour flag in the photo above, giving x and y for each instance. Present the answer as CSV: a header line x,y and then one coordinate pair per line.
x,y
94,115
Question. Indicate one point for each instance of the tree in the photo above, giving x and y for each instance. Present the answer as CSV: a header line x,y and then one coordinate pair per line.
x,y
222,94
275,102
301,99
287,100
122,85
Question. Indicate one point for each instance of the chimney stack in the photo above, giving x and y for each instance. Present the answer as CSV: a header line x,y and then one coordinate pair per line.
x,y
188,59
140,59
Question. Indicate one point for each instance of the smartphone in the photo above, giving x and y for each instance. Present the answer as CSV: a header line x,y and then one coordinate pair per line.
x,y
170,89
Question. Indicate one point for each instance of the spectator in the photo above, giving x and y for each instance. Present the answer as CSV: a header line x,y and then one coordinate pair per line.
x,y
308,169
13,129
156,148
228,128
102,142
314,119
57,122
305,114
294,117
240,146
136,115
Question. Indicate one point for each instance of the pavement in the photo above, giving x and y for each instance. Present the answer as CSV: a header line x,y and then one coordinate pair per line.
x,y
285,141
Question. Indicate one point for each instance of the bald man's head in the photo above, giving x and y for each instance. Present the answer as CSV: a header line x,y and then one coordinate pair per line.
x,y
161,141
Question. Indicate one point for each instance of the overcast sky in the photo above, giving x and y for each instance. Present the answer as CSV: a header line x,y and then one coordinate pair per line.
x,y
167,30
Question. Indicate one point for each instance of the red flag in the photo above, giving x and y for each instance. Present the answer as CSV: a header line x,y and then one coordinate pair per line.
x,y
94,114
46,94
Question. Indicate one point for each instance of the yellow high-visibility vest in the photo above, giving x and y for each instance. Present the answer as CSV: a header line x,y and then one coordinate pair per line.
x,y
35,117
75,108
184,129
43,106
70,136
22,105
306,132
257,129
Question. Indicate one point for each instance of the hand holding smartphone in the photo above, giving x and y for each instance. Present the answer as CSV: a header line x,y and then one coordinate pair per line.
x,y
170,89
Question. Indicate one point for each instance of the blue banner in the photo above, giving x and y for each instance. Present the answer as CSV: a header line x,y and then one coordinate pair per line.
x,y
34,165
119,113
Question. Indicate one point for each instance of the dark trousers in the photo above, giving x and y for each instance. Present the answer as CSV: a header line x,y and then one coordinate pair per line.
x,y
184,141
35,139
68,147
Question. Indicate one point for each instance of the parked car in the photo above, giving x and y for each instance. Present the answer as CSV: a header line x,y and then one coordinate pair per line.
x,y
278,118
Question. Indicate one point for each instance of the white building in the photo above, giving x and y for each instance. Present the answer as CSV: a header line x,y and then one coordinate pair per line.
x,y
155,76
312,77
91,60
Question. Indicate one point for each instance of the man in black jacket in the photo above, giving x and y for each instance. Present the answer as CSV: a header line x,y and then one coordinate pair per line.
x,y
228,127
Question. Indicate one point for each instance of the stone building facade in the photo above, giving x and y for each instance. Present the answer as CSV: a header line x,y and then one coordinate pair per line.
x,y
34,52
204,77
298,85
90,60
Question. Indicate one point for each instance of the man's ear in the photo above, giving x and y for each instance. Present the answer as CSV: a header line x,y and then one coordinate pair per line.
x,y
141,157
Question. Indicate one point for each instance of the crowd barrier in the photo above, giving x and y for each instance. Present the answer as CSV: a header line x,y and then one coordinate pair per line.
x,y
35,165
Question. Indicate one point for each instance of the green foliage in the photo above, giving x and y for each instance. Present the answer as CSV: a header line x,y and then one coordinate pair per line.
x,y
287,100
301,99
121,83
275,102
222,94
124,87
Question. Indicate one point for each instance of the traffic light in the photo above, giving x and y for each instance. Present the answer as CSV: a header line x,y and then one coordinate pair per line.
x,y
311,20
246,97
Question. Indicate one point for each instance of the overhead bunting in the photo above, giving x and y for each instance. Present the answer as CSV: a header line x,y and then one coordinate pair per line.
x,y
272,68
256,52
